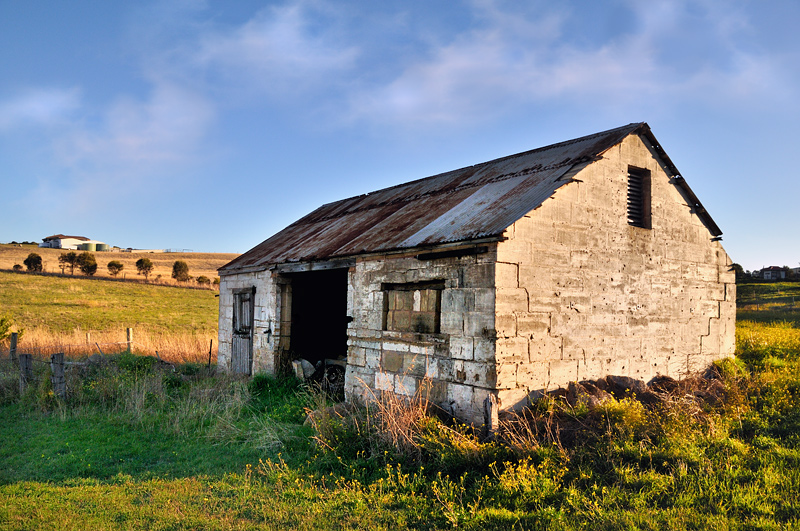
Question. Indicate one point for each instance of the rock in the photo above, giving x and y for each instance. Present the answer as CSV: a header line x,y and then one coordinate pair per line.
x,y
577,395
664,384
593,389
625,386
303,369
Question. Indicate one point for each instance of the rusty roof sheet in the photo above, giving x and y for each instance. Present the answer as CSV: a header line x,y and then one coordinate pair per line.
x,y
471,203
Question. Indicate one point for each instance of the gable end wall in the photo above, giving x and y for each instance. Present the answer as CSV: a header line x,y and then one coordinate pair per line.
x,y
581,294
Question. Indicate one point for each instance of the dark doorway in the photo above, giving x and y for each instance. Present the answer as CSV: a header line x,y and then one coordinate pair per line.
x,y
319,315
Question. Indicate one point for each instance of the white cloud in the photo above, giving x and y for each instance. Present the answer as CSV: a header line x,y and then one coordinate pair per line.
x,y
166,127
510,60
40,106
282,49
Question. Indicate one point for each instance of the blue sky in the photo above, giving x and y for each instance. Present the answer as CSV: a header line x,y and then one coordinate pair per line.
x,y
211,125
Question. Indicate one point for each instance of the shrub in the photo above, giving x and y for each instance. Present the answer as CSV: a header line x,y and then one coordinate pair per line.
x,y
203,280
68,259
34,263
6,327
180,271
87,263
114,267
17,268
144,266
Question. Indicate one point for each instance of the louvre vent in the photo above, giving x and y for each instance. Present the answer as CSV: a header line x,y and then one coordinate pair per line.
x,y
639,199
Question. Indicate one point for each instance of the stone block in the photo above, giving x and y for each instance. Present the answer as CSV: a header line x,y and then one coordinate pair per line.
x,y
506,375
569,324
514,251
461,348
460,398
530,325
405,385
512,399
511,350
591,368
454,300
444,368
479,324
433,390
480,374
414,365
483,349
384,381
562,372
431,368
511,300
372,359
452,323
506,275
617,366
545,348
392,361
356,356
506,325
478,276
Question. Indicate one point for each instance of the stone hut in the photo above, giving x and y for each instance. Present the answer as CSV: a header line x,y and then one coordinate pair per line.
x,y
494,282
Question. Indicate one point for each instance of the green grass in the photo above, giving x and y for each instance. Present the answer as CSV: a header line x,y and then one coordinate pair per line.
x,y
59,304
768,301
140,447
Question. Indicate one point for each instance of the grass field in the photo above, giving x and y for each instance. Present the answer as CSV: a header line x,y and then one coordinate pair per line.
x,y
139,447
56,313
205,264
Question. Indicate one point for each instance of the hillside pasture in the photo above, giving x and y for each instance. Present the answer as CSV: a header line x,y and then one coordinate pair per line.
x,y
57,313
200,264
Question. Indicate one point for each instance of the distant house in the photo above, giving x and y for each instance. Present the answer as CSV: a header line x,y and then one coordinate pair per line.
x,y
480,287
61,241
773,273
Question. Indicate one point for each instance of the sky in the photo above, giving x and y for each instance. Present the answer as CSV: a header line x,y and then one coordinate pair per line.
x,y
211,125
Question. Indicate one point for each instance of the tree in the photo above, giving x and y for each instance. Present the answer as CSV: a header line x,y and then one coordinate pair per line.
x,y
33,263
114,267
144,266
180,271
87,263
738,271
68,259
7,326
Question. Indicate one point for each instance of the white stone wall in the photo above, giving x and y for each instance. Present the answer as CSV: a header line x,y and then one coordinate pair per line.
x,y
266,318
455,368
581,294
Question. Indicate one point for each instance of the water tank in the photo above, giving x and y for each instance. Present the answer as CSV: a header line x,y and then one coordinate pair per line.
x,y
102,247
89,246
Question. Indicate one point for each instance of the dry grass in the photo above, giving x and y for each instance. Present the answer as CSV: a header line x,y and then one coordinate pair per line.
x,y
172,347
199,263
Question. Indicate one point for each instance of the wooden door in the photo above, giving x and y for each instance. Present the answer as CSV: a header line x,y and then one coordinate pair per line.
x,y
242,345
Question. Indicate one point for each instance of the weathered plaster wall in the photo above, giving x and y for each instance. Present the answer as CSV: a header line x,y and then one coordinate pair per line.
x,y
454,368
266,317
582,294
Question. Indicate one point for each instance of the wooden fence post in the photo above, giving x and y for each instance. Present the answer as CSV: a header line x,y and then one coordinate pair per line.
x,y
129,334
13,348
25,371
57,378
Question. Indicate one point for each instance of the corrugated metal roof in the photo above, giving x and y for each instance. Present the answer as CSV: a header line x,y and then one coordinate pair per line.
x,y
475,202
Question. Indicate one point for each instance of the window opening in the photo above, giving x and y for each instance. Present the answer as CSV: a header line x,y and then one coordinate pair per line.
x,y
413,307
244,302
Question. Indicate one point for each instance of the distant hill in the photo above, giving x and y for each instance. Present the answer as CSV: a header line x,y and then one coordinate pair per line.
x,y
199,263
